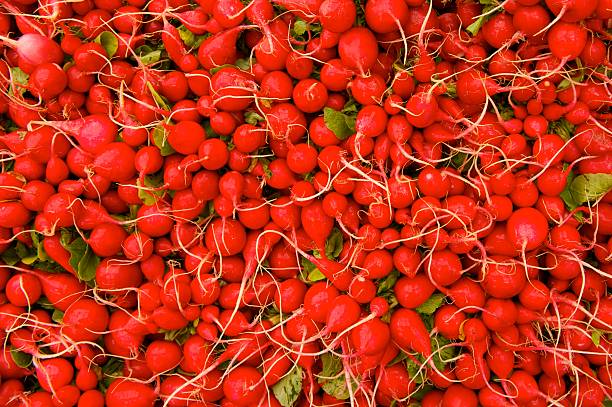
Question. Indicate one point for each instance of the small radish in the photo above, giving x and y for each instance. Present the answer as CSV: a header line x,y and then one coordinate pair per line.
x,y
36,49
567,40
409,331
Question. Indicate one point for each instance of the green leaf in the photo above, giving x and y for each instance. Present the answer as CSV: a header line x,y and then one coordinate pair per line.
x,y
315,275
287,390
57,316
86,268
159,99
199,40
443,357
334,244
160,139
607,403
342,125
566,195
187,36
310,273
253,118
18,77
477,25
506,112
150,57
10,257
337,387
400,357
431,305
586,188
243,63
351,108
265,163
22,250
562,128
428,320
180,335
332,378
418,376
458,160
299,28
148,196
422,392
112,366
332,365
386,284
40,250
77,249
566,83
82,258
596,337
29,260
20,358
109,42
216,69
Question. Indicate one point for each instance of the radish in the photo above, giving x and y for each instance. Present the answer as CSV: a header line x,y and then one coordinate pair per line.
x,y
572,35
337,15
58,253
527,229
220,49
371,337
408,191
61,289
241,379
571,11
358,49
408,331
122,391
35,49
23,290
384,16
272,51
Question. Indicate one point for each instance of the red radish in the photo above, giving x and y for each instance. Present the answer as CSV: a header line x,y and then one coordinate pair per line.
x,y
85,320
318,300
412,292
61,289
123,391
408,331
23,290
337,15
117,274
273,50
421,110
58,253
13,214
358,49
226,237
567,40
219,49
571,11
527,228
385,16
54,373
35,49
343,313
243,386
371,337
93,132
317,224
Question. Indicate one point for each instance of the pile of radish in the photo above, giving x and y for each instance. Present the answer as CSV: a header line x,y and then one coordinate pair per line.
x,y
305,203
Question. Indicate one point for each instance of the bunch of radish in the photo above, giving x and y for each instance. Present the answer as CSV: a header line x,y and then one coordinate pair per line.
x,y
305,203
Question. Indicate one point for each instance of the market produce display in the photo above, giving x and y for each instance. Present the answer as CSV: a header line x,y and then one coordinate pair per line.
x,y
305,203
